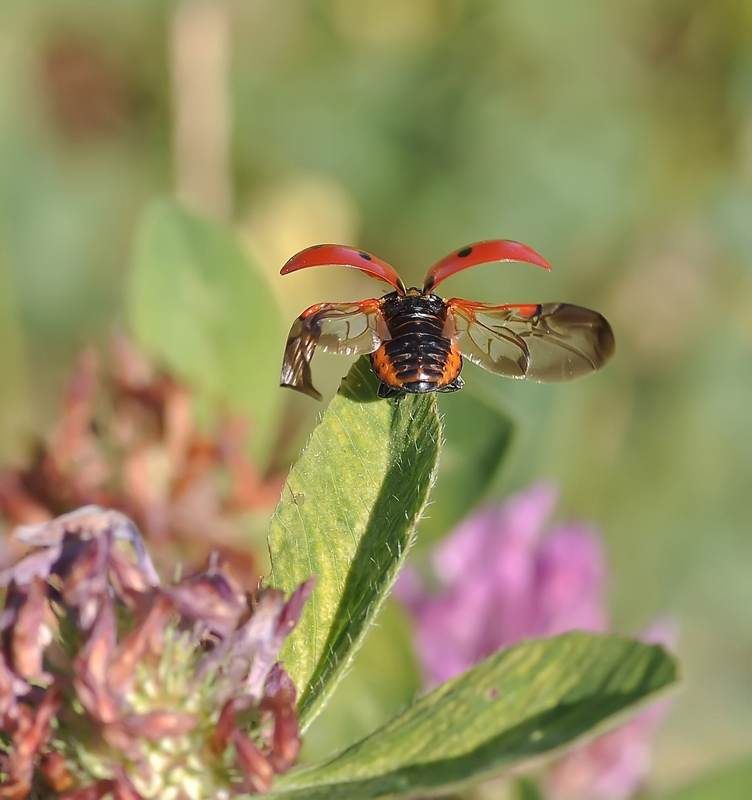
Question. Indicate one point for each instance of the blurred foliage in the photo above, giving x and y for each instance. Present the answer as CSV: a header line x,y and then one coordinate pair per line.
x,y
615,138
731,783
527,790
197,303
477,435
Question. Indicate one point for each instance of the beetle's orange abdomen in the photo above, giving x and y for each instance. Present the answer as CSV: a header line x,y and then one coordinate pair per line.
x,y
417,358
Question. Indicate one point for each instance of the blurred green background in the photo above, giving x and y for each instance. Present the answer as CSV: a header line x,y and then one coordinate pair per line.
x,y
614,138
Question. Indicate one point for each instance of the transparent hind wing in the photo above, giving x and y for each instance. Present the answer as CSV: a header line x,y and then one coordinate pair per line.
x,y
546,343
342,328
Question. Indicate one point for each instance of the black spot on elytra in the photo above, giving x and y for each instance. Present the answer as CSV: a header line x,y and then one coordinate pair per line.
x,y
365,255
465,252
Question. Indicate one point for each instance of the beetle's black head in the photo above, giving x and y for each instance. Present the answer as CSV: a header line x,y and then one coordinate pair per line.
x,y
413,299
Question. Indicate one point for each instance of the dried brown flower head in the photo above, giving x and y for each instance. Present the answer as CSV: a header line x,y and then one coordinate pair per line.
x,y
113,684
131,442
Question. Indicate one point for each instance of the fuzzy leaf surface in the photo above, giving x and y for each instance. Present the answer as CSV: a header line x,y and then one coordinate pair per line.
x,y
348,515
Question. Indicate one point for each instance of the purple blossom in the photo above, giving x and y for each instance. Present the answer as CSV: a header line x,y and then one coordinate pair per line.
x,y
505,575
503,578
114,684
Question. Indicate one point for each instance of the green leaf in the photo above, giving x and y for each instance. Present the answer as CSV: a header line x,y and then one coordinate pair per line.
x,y
478,435
731,783
196,303
517,705
347,515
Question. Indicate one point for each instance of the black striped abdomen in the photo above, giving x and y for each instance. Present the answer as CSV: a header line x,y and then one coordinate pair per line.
x,y
417,358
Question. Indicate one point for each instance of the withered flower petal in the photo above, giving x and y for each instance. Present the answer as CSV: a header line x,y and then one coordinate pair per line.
x,y
11,689
74,428
31,733
90,522
279,681
258,773
286,737
15,789
84,579
254,634
22,640
90,667
268,648
53,768
223,730
127,578
35,565
136,644
212,600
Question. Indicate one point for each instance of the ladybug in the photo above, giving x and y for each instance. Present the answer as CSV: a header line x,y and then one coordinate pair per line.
x,y
417,340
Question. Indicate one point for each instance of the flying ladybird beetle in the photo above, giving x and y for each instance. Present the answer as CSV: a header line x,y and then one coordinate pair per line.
x,y
417,340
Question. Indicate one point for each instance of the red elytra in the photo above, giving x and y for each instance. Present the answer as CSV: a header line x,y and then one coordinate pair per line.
x,y
417,340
